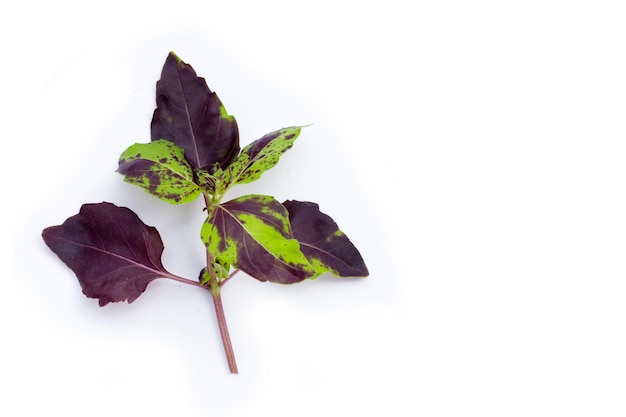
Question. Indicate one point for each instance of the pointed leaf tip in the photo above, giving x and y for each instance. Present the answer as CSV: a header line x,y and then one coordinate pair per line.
x,y
326,247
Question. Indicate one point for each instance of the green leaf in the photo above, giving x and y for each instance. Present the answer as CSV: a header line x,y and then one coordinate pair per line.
x,y
160,168
253,233
261,155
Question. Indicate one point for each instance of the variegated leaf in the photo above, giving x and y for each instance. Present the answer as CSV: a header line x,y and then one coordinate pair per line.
x,y
261,155
253,233
159,168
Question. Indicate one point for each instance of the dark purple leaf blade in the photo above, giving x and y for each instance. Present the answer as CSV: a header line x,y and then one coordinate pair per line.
x,y
326,247
112,252
191,116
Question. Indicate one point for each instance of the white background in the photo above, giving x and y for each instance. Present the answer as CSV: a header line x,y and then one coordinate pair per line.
x,y
473,151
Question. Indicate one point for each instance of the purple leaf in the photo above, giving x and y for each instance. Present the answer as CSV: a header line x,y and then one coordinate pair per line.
x,y
191,116
326,247
112,252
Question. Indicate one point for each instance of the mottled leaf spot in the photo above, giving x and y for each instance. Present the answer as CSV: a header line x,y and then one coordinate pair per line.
x,y
161,170
262,154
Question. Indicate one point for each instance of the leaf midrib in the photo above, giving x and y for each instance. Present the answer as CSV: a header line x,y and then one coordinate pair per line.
x,y
187,112
243,226
113,254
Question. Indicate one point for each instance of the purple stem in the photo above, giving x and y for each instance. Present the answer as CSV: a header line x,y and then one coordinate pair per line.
x,y
221,321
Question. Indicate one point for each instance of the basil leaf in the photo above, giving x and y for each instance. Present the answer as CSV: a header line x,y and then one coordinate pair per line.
x,y
160,169
261,155
112,252
253,234
191,116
